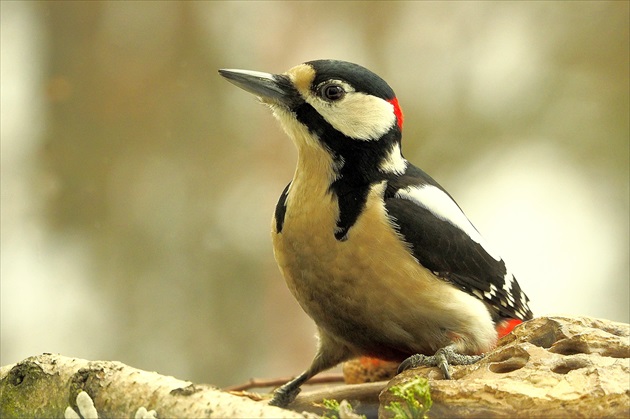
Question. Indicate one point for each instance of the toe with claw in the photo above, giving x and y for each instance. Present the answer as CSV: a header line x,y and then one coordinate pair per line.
x,y
442,358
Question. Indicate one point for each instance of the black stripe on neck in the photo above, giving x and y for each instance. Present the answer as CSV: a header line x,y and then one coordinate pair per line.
x,y
356,164
281,209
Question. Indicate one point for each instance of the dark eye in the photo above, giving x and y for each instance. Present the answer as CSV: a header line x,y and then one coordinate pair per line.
x,y
332,92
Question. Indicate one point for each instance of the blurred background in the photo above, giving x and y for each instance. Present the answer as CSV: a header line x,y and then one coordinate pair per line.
x,y
138,186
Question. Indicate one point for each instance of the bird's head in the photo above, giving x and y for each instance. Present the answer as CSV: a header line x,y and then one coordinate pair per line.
x,y
339,106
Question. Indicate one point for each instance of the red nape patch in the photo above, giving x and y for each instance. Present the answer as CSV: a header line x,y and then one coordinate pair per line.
x,y
506,326
397,112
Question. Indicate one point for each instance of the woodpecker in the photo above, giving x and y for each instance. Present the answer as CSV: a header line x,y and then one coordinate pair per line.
x,y
375,251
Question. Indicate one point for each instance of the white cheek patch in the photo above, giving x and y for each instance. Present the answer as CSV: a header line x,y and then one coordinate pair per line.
x,y
357,115
443,207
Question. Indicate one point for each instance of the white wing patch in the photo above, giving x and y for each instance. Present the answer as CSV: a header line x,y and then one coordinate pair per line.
x,y
443,207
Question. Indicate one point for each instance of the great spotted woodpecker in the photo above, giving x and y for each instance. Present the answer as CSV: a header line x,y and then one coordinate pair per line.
x,y
375,251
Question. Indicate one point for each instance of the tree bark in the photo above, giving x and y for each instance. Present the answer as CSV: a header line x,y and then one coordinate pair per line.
x,y
44,385
547,367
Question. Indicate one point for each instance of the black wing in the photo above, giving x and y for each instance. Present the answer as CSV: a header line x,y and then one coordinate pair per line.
x,y
441,245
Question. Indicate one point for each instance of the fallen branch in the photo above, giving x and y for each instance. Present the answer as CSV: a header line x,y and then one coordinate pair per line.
x,y
276,382
549,366
44,385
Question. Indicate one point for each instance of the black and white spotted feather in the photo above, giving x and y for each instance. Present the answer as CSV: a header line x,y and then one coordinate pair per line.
x,y
446,246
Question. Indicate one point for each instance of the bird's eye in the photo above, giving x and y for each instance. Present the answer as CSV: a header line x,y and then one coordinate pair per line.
x,y
332,92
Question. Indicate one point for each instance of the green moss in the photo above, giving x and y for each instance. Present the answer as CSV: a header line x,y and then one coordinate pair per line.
x,y
334,408
27,385
414,399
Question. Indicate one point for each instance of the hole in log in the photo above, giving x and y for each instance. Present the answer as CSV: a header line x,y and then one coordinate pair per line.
x,y
508,366
547,334
571,346
509,360
570,364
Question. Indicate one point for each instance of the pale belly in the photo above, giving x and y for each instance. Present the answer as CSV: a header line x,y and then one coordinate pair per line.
x,y
368,291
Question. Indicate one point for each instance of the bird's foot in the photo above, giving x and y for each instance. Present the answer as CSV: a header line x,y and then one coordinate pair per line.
x,y
284,395
442,358
287,393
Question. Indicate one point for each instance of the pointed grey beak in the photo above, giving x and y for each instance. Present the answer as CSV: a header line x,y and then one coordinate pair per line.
x,y
271,88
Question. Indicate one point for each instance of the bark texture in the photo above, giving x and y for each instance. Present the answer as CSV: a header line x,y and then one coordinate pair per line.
x,y
44,385
548,367
554,367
